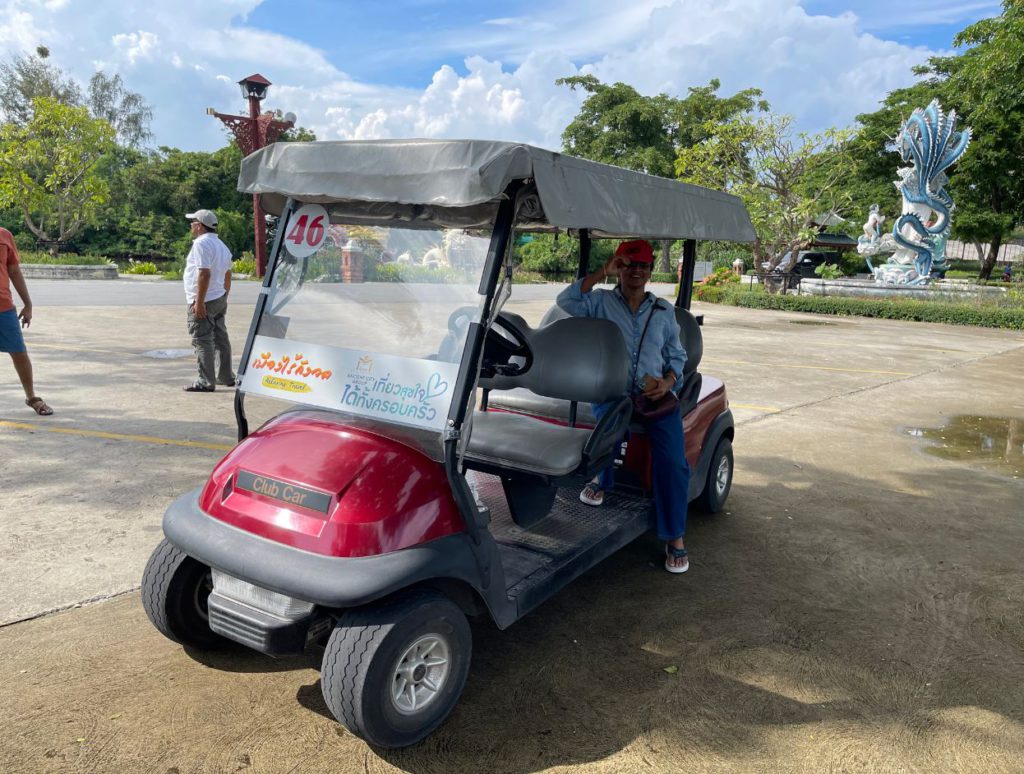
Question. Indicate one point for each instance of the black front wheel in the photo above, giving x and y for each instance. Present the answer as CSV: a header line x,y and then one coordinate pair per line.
x,y
175,592
393,671
719,481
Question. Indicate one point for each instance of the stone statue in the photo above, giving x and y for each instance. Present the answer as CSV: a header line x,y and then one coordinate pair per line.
x,y
930,142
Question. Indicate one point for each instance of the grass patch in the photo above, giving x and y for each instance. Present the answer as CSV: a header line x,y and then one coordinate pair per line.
x,y
1009,314
38,257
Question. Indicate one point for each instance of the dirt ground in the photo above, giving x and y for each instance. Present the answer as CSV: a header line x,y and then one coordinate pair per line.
x,y
856,608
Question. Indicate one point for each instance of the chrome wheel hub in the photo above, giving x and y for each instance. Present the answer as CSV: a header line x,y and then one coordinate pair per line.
x,y
420,674
722,476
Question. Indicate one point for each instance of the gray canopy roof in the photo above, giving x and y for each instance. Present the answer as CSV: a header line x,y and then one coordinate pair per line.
x,y
459,183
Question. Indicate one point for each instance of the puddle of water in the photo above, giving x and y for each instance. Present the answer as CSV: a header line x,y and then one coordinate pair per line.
x,y
810,322
168,354
995,443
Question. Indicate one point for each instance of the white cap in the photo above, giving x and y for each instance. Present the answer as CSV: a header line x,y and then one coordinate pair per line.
x,y
206,217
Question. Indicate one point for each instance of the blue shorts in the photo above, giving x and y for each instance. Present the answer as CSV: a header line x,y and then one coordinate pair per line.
x,y
11,339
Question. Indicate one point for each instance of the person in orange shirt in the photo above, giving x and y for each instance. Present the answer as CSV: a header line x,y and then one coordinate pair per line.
x,y
11,339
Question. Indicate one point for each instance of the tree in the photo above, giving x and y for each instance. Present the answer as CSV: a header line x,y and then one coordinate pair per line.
x,y
124,110
758,160
983,85
618,125
48,168
24,79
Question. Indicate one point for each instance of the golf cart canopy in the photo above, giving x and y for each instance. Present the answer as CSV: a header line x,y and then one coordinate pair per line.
x,y
459,184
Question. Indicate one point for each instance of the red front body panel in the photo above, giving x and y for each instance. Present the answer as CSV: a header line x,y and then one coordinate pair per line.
x,y
383,495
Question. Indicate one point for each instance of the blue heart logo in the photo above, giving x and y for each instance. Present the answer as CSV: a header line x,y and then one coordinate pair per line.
x,y
436,386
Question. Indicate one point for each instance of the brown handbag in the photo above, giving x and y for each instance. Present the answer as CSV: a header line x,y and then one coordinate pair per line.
x,y
645,409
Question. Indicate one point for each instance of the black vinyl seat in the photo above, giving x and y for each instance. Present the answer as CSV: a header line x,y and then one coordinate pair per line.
x,y
575,360
525,401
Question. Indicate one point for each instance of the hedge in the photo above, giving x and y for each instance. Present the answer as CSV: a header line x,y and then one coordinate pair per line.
x,y
31,257
904,309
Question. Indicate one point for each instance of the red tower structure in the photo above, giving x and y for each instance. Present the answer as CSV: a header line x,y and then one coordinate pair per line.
x,y
252,132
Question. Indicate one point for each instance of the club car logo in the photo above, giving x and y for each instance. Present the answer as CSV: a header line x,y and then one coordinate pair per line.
x,y
289,365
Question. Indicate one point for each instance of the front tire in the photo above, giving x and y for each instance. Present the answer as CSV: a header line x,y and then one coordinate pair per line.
x,y
719,481
175,592
392,672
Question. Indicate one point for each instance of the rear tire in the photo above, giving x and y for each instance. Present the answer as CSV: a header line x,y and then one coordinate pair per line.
x,y
175,592
393,671
719,480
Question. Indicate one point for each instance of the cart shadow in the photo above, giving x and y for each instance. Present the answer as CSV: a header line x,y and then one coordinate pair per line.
x,y
242,660
775,626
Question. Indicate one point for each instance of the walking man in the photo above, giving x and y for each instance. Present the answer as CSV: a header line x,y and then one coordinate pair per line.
x,y
207,283
11,339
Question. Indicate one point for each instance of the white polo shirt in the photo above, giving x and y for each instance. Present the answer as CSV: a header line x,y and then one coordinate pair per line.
x,y
207,252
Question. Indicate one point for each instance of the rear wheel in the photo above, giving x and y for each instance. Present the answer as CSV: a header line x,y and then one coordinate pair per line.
x,y
719,481
392,672
175,592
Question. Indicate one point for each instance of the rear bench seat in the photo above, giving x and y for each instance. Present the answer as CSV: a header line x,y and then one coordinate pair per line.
x,y
523,400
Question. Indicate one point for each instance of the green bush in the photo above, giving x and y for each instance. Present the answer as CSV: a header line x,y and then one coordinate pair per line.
x,y
140,267
918,310
723,276
176,270
403,272
246,264
851,262
63,259
829,271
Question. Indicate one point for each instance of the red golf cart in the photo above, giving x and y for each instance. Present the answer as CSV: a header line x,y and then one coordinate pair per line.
x,y
428,464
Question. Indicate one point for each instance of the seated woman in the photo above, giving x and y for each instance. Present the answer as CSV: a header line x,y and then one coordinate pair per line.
x,y
651,332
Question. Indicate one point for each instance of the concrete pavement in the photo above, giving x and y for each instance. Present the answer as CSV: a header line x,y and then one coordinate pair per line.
x,y
858,579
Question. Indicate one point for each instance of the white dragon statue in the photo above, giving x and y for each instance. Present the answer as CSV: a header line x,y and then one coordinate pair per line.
x,y
929,140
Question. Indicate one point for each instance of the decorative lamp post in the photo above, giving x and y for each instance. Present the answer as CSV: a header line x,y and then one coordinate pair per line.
x,y
252,132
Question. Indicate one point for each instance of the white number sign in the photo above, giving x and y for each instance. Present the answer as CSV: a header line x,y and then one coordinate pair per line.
x,y
307,229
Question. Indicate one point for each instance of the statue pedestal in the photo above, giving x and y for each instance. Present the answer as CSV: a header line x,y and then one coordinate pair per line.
x,y
352,264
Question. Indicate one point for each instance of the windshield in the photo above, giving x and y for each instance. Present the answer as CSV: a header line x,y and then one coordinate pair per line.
x,y
372,325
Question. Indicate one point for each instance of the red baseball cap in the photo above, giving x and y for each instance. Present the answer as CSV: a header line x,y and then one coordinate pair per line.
x,y
636,250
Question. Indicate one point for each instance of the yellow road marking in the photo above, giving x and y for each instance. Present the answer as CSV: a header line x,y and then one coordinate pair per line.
x,y
769,409
116,436
807,367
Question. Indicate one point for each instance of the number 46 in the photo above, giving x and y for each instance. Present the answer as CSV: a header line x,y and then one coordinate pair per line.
x,y
311,235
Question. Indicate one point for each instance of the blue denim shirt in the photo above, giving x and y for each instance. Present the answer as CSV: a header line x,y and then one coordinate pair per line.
x,y
661,348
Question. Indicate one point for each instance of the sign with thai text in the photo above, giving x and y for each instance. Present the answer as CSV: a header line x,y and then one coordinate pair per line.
x,y
403,390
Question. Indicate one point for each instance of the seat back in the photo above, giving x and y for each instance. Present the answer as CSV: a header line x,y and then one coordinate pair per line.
x,y
691,338
575,358
693,342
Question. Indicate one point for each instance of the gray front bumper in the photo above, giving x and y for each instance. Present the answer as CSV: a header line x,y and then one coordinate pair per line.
x,y
325,580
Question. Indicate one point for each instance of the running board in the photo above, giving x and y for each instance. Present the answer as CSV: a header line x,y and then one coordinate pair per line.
x,y
544,557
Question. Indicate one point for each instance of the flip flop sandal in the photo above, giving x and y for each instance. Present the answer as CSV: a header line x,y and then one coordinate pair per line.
x,y
39,406
592,494
671,552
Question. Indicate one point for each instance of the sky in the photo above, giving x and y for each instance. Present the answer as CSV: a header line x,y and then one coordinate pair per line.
x,y
460,69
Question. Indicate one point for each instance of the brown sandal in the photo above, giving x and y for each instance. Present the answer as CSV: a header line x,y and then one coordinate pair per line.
x,y
39,406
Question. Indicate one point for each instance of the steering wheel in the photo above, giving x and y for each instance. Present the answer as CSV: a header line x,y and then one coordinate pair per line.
x,y
506,340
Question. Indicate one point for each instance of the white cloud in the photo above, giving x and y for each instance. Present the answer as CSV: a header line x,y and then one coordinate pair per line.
x,y
137,45
499,80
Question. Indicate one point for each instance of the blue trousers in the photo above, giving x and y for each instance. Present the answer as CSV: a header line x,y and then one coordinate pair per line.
x,y
671,472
